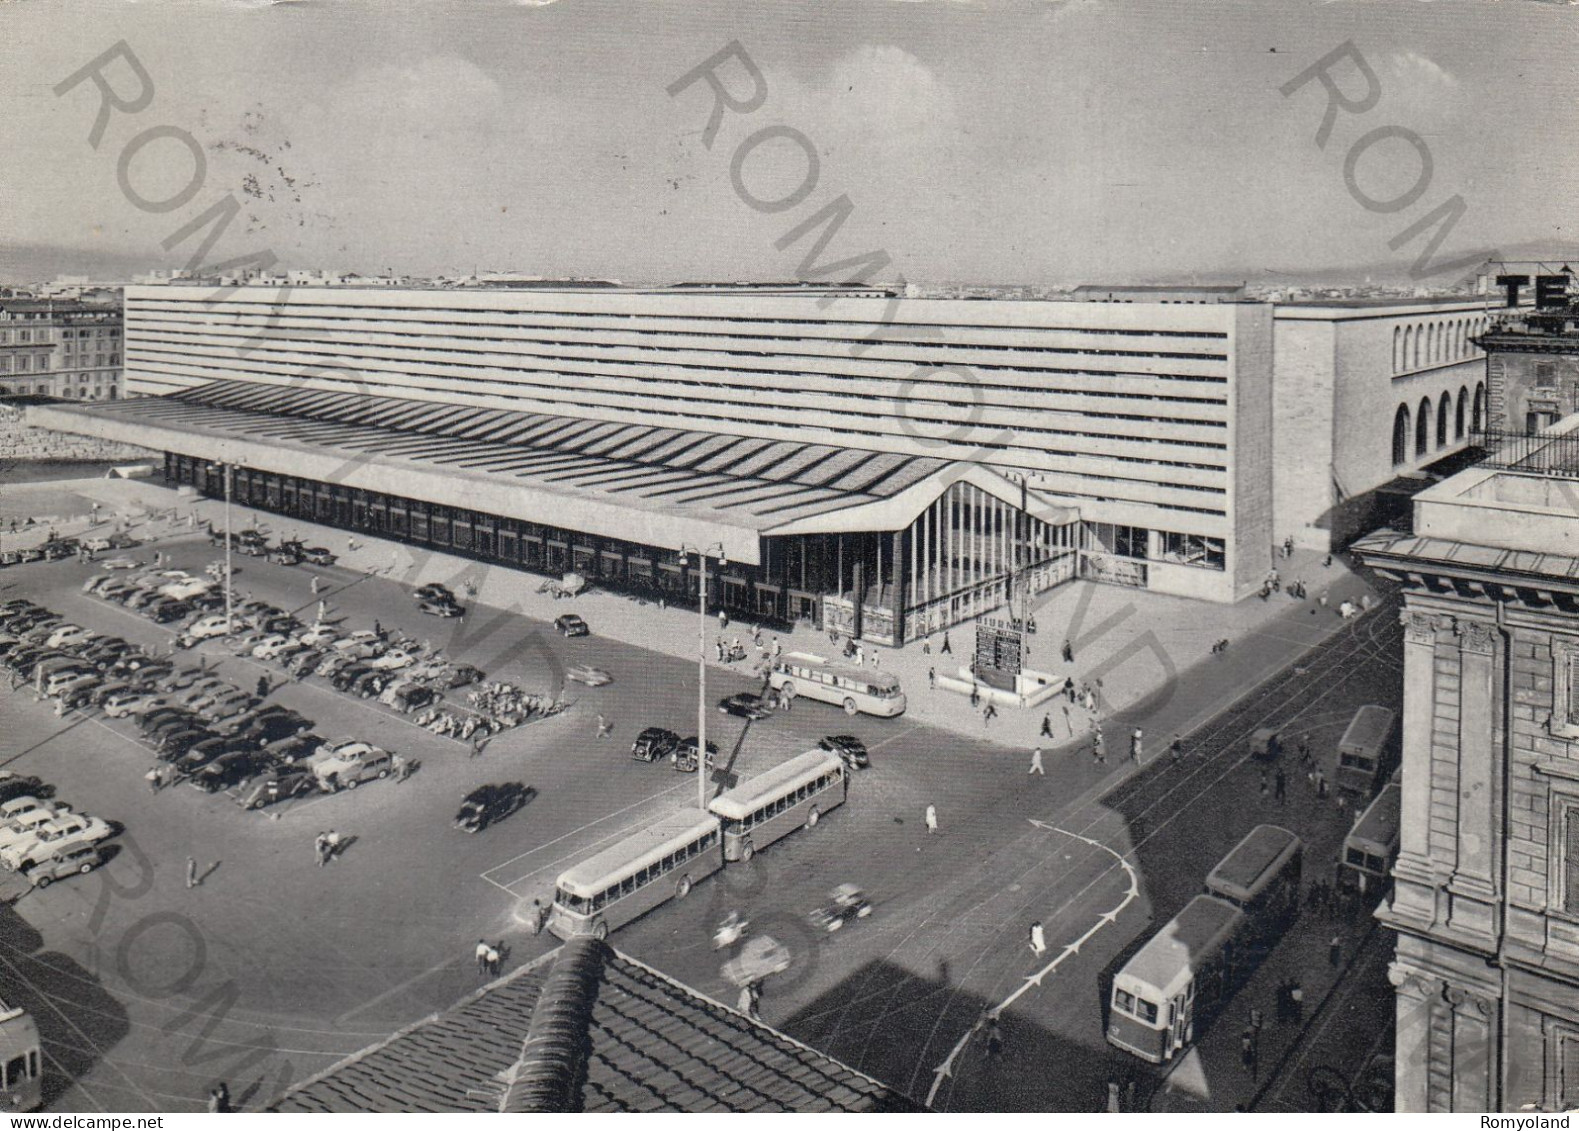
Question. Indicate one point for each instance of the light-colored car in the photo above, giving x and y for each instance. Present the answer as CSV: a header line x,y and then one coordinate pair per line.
x,y
96,544
758,958
67,634
120,563
11,810
208,627
273,646
95,582
361,644
393,660
318,635
184,588
350,767
50,836
23,826
589,675
72,859
124,703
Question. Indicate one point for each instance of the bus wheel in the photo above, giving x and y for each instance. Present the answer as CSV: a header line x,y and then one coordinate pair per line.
x,y
747,852
849,706
683,888
601,931
812,818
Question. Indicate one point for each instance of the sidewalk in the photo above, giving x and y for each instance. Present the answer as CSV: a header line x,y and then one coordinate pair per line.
x,y
1150,652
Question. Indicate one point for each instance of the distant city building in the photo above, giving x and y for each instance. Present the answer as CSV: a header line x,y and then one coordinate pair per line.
x,y
1159,293
60,348
1532,367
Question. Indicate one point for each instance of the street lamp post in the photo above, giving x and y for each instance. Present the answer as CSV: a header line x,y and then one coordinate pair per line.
x,y
230,623
701,661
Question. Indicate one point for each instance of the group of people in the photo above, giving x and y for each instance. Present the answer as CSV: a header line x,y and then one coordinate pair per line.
x,y
327,846
490,958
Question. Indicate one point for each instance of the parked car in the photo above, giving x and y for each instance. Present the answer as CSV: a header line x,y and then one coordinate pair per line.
x,y
129,700
95,545
345,677
178,743
202,753
589,675
306,661
228,770
209,627
94,583
370,683
348,769
65,634
684,757
393,660
360,645
433,591
288,751
166,611
78,859
22,827
571,625
849,748
262,727
201,691
654,744
68,828
745,705
318,635
489,804
332,663
13,785
277,786
440,608
319,556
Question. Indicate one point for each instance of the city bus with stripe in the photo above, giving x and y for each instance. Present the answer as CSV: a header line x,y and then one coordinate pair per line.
x,y
803,675
1372,844
626,880
1367,752
774,804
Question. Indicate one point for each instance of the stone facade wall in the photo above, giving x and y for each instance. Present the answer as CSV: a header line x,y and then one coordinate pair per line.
x,y
22,441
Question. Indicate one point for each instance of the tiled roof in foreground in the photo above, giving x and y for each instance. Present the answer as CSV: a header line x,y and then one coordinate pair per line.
x,y
587,1029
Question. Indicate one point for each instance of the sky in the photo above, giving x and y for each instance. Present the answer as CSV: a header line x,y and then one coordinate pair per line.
x,y
1026,141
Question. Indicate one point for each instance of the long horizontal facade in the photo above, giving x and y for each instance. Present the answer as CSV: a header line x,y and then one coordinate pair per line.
x,y
1136,437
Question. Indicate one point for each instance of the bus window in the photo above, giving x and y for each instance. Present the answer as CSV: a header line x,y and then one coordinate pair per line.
x,y
1147,1011
1124,1000
1355,857
627,885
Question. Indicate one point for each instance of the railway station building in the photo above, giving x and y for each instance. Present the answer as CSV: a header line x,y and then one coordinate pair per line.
x,y
880,465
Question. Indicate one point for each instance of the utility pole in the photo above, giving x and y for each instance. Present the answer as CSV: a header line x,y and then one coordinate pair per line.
x,y
230,624
701,664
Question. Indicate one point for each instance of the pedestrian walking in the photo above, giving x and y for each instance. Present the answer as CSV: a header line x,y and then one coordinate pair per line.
x,y
1068,652
153,779
1047,725
1112,1097
1280,786
926,647
482,956
537,917
946,649
219,1099
932,819
1335,951
1247,1051
994,1038
478,741
191,872
1135,740
1263,782
988,713
1098,746
1038,939
495,958
1321,785
1176,750
1036,762
932,678
315,584
263,686
321,849
331,842
723,620
1069,688
1255,1021
1296,1001
604,729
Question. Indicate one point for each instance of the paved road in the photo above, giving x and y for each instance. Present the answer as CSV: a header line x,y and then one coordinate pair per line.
x,y
129,971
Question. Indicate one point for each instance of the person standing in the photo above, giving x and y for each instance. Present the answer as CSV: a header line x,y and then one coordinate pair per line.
x,y
1068,652
994,1038
1247,1051
153,778
315,588
1098,745
932,678
1047,725
331,844
321,849
1335,951
263,686
495,958
723,620
604,729
482,957
946,649
1296,1001
1280,786
191,872
1038,939
1135,740
1262,773
932,819
1176,750
1036,763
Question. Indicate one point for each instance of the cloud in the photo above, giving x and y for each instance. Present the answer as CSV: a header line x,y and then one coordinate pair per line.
x,y
1413,67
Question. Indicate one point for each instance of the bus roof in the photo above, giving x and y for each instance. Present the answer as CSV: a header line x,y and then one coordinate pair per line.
x,y
1241,874
1183,944
1368,729
636,851
1378,825
740,802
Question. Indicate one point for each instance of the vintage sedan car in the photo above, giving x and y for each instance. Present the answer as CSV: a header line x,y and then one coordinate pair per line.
x,y
360,645
745,705
210,626
393,660
319,635
440,608
571,625
130,702
319,556
77,859
489,804
278,786
67,828
25,824
348,769
121,563
654,744
271,646
684,757
845,902
433,591
589,675
849,748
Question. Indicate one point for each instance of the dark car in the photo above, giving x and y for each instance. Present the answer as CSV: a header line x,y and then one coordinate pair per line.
x,y
182,679
370,683
228,770
654,744
571,625
286,751
462,675
433,591
202,753
849,748
105,690
275,787
259,728
346,676
440,608
303,663
165,612
489,804
319,555
281,623
154,716
178,743
746,705
20,785
160,732
684,757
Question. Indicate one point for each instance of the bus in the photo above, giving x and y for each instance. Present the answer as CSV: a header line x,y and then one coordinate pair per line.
x,y
1367,753
627,880
1372,844
21,1086
1261,878
804,675
1177,980
1185,972
774,804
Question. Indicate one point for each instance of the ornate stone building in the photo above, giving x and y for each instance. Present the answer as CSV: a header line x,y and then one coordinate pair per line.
x,y
1486,901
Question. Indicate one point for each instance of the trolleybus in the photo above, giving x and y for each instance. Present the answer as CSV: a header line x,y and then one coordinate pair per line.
x,y
1372,844
20,1070
762,809
1367,753
629,879
808,676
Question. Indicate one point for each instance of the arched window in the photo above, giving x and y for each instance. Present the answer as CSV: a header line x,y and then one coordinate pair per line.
x,y
1463,408
1432,339
1477,417
1423,427
1398,348
1414,358
1443,407
1401,436
1409,347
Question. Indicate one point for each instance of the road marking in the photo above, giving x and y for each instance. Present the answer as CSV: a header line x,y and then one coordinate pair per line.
x,y
393,991
946,1069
